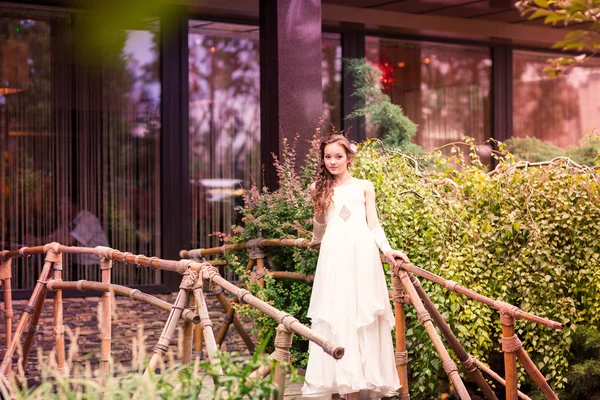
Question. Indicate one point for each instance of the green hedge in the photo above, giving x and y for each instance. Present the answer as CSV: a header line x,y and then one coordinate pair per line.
x,y
587,152
527,236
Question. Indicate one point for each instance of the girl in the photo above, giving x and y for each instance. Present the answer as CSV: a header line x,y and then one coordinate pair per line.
x,y
349,304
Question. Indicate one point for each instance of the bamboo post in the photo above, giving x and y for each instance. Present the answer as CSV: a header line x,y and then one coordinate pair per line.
x,y
167,334
188,335
260,272
206,323
231,317
29,308
33,327
105,268
250,265
5,277
535,374
227,321
463,356
400,298
227,306
496,377
510,345
198,342
59,328
282,357
425,319
257,252
33,309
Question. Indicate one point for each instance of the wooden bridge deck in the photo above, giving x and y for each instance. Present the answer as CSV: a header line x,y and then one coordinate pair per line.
x,y
292,391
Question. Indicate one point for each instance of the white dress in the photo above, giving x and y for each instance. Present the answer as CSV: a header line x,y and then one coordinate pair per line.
x,y
350,306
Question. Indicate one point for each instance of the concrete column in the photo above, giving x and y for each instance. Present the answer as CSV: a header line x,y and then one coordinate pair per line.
x,y
291,89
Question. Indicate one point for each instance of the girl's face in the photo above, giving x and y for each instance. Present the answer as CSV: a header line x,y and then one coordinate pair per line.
x,y
335,158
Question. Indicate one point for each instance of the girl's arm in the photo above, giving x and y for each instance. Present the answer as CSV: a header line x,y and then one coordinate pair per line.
x,y
319,224
320,217
375,227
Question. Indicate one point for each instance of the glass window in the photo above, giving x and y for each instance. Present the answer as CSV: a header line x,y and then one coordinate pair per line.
x,y
80,144
558,110
224,87
443,88
332,81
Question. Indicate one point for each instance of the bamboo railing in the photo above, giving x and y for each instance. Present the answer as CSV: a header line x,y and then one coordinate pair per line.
x,y
406,289
189,306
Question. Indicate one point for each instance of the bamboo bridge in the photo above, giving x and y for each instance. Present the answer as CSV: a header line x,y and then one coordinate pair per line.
x,y
199,275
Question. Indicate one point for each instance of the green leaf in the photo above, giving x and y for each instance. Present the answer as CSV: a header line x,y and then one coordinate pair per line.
x,y
553,18
539,13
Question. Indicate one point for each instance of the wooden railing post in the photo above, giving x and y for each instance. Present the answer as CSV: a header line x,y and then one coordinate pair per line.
x,y
257,253
188,334
39,291
510,345
59,327
166,336
535,374
281,355
400,298
198,353
206,324
5,277
105,268
53,257
231,317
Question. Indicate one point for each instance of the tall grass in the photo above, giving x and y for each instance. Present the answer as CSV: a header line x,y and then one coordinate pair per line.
x,y
198,380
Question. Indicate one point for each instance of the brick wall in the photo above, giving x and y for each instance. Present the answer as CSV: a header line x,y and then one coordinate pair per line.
x,y
82,313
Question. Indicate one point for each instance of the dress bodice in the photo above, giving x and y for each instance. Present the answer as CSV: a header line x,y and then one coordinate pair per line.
x,y
348,205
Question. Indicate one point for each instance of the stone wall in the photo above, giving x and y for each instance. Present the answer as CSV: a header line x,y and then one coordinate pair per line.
x,y
81,314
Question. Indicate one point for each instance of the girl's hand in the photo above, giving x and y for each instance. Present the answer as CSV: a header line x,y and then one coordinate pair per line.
x,y
314,244
393,254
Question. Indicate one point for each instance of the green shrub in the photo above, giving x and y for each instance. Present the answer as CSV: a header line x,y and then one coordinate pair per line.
x,y
535,150
584,374
527,236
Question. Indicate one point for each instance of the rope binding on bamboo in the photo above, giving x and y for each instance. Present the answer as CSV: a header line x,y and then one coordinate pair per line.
x,y
283,342
255,249
511,344
401,357
449,366
470,364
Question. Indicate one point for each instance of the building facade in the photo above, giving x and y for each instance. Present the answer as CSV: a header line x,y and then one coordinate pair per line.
x,y
158,131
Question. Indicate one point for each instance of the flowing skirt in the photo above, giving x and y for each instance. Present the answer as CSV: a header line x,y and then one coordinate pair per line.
x,y
350,307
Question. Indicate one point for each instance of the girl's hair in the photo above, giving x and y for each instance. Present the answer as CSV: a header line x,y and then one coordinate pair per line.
x,y
324,181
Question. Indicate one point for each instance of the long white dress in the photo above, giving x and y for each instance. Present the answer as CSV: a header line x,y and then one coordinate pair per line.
x,y
350,306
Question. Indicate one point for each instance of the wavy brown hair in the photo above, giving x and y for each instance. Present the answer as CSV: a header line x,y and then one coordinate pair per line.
x,y
325,180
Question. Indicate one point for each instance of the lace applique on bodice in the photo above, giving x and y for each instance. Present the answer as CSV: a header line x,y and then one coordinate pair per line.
x,y
348,205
